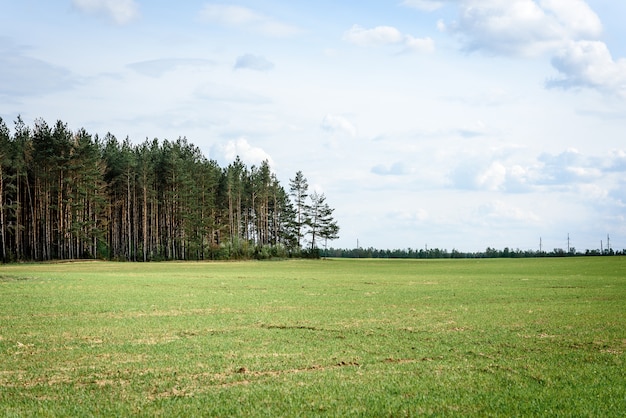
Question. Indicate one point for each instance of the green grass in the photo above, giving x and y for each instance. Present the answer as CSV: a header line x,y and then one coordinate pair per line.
x,y
531,337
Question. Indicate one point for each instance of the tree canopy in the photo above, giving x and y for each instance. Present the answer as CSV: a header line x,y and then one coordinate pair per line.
x,y
68,194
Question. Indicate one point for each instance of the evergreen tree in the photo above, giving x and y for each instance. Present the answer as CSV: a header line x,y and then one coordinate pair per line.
x,y
320,220
5,163
67,194
299,192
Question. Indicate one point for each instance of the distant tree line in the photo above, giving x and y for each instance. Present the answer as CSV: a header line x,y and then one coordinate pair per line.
x,y
67,194
439,253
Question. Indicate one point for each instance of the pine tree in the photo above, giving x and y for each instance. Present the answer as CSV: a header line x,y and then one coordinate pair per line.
x,y
320,220
5,156
67,194
299,192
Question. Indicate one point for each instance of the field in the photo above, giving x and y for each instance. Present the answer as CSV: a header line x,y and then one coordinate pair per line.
x,y
531,337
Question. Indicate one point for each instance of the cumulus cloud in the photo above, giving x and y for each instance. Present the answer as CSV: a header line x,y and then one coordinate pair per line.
x,y
523,27
387,35
336,123
568,30
227,152
119,11
617,162
481,175
253,62
243,17
577,18
569,169
589,64
419,44
380,35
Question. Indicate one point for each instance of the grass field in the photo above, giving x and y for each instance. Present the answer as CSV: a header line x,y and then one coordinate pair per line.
x,y
531,337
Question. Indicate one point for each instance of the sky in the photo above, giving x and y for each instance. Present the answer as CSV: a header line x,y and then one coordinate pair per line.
x,y
451,124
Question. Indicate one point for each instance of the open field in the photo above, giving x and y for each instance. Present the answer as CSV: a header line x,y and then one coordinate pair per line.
x,y
337,337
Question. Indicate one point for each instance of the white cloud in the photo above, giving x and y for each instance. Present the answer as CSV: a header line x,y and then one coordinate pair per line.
x,y
493,177
419,44
478,174
569,170
120,11
336,123
568,30
380,35
243,17
617,161
589,64
253,62
578,19
387,35
227,152
499,211
412,218
523,27
568,167
426,5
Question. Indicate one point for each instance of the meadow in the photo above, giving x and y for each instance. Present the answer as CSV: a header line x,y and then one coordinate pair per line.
x,y
499,337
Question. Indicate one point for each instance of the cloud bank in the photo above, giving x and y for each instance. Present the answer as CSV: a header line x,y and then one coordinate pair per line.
x,y
569,31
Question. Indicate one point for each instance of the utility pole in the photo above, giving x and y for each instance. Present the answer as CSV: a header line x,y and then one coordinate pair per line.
x,y
608,243
540,246
568,242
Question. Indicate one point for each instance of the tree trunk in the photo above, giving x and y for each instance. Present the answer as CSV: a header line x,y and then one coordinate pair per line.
x,y
2,224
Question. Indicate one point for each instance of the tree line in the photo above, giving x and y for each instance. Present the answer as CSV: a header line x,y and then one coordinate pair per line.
x,y
68,194
443,253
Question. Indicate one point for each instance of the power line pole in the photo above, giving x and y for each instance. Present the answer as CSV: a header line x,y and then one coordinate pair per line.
x,y
568,242
540,246
608,243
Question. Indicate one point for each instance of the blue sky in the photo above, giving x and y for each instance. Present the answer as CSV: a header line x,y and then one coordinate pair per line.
x,y
452,123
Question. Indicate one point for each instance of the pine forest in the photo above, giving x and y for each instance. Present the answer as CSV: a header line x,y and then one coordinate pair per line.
x,y
68,194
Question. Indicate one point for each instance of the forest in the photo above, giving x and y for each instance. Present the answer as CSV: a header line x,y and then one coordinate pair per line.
x,y
68,194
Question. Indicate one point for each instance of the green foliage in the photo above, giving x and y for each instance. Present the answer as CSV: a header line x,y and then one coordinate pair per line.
x,y
499,337
437,253
67,195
